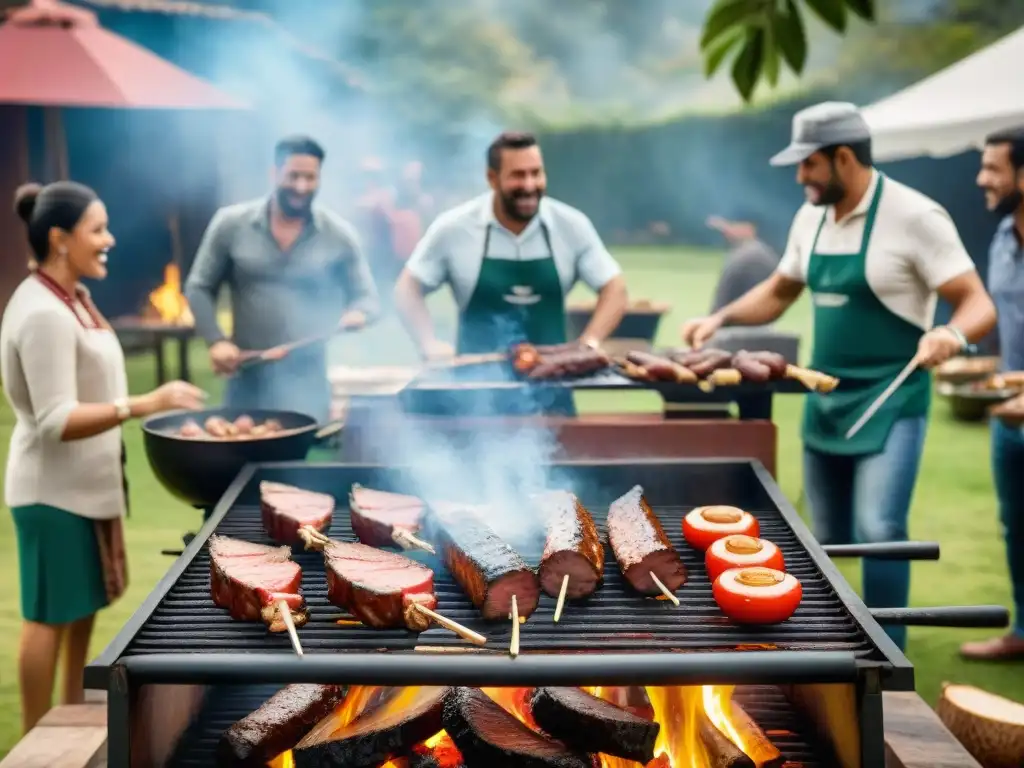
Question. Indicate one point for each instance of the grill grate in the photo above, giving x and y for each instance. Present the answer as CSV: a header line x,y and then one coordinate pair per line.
x,y
767,705
614,619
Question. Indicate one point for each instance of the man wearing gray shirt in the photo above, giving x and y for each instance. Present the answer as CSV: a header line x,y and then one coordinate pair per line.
x,y
293,269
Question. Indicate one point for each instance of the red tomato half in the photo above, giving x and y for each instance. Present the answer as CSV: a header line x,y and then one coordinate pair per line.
x,y
705,525
738,551
757,595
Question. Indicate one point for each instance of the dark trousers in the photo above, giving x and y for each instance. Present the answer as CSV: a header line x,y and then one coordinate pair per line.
x,y
1007,463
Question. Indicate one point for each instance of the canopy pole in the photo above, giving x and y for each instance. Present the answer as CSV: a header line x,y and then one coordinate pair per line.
x,y
56,144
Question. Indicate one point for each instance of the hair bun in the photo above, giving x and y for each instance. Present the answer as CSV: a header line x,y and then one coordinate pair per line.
x,y
25,200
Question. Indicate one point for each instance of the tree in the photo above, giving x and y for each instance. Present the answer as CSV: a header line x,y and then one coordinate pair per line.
x,y
762,34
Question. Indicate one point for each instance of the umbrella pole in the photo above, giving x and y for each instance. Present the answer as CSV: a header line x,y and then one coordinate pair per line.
x,y
56,144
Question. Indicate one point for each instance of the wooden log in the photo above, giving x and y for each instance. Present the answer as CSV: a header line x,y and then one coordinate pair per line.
x,y
721,752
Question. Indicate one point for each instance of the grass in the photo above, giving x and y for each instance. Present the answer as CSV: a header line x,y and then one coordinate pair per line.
x,y
954,502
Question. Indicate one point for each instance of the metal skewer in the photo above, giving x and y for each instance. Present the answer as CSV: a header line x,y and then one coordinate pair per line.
x,y
882,398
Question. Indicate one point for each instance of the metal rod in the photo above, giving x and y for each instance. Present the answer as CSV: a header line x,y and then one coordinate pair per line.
x,y
890,550
967,616
495,668
881,399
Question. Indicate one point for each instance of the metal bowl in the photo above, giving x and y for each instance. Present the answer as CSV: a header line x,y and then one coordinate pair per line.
x,y
968,402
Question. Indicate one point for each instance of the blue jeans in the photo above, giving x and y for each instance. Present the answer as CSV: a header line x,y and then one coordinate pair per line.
x,y
866,499
1007,463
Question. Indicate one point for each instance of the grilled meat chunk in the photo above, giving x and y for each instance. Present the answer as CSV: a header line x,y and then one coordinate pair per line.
x,y
577,362
488,735
285,509
641,545
378,587
590,724
487,569
274,728
572,546
377,514
250,579
662,368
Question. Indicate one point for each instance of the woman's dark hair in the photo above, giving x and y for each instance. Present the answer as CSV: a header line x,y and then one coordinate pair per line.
x,y
60,205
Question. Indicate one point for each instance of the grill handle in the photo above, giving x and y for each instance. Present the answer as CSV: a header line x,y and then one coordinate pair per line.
x,y
888,550
976,616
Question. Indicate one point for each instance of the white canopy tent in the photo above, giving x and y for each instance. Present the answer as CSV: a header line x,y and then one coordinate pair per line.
x,y
953,110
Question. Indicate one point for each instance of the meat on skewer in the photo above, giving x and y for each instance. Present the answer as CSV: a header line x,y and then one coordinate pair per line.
x,y
489,571
253,581
576,362
572,565
660,368
277,725
380,518
647,558
285,509
703,361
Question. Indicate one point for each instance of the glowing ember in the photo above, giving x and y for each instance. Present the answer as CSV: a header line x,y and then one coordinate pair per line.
x,y
168,302
284,760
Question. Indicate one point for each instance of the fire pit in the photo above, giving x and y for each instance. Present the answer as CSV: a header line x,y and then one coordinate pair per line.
x,y
181,671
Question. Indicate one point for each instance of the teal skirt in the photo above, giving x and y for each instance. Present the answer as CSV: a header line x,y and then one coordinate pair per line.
x,y
59,565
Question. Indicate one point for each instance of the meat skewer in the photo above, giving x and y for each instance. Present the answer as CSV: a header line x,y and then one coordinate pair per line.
x,y
285,509
645,555
380,518
576,362
572,548
277,725
662,368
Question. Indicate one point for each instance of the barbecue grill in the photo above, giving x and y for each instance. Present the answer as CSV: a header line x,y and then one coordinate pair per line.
x,y
178,639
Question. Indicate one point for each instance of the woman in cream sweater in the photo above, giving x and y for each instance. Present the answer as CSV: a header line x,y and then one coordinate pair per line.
x,y
64,376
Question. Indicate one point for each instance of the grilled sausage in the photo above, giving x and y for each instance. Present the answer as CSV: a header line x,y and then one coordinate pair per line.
x,y
712,361
662,368
751,368
775,361
572,546
641,545
574,363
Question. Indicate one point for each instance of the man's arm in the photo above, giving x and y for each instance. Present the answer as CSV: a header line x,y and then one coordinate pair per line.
x,y
974,313
209,270
424,272
599,270
765,303
360,289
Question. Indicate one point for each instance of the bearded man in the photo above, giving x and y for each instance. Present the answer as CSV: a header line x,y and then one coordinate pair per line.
x,y
510,257
294,270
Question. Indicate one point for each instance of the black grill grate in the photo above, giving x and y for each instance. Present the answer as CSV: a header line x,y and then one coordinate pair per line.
x,y
614,619
767,705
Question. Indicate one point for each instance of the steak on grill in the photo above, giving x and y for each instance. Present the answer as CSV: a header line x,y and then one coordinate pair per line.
x,y
386,733
377,514
274,728
590,724
641,546
250,579
572,546
286,508
488,570
377,587
488,735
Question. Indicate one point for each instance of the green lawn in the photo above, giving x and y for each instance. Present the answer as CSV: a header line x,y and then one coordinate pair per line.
x,y
954,503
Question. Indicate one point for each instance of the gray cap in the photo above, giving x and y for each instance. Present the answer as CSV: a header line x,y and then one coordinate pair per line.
x,y
823,125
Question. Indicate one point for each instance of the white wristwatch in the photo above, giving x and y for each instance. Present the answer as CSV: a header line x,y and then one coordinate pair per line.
x,y
124,409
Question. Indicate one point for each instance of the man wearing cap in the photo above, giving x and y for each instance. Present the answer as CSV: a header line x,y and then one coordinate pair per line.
x,y
875,254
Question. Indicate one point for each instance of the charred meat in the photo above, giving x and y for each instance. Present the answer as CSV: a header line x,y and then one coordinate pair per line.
x,y
285,509
249,580
589,724
577,362
377,587
488,570
376,515
274,728
572,546
488,735
641,546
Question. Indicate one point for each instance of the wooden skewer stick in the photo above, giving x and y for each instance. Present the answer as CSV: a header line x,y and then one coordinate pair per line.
x,y
464,632
813,380
312,538
407,540
665,590
561,598
513,649
286,615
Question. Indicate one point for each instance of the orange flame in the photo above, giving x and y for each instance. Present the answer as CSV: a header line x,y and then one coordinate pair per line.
x,y
169,302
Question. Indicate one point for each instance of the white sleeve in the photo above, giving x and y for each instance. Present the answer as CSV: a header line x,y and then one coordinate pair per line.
x,y
793,264
594,265
429,262
46,345
939,254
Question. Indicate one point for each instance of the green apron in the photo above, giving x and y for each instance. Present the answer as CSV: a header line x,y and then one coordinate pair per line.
x,y
517,301
860,341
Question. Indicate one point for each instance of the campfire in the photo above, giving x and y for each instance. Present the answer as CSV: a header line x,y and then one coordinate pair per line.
x,y
167,303
680,727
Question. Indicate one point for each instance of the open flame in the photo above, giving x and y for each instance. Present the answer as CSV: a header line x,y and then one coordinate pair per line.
x,y
678,709
168,303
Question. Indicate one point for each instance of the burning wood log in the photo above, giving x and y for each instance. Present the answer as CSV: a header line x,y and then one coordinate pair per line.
x,y
722,753
755,742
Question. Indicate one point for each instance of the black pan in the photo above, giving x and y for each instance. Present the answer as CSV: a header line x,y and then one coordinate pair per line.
x,y
198,470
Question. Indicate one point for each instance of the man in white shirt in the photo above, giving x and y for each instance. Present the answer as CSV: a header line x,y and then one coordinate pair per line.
x,y
510,257
876,254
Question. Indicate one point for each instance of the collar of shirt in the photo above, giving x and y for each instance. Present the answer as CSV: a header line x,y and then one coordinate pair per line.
x,y
261,216
862,206
488,218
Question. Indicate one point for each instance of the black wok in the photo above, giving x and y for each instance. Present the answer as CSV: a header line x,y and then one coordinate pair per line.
x,y
199,470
